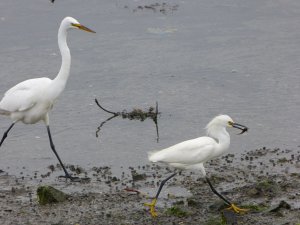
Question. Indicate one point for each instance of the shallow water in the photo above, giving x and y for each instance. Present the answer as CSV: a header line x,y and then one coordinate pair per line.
x,y
198,60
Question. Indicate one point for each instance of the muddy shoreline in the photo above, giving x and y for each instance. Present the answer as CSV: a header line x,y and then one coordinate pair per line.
x,y
266,181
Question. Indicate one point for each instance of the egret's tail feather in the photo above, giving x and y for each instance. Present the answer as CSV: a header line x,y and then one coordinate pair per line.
x,y
151,156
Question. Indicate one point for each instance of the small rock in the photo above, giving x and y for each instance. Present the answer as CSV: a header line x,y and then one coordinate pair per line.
x,y
48,195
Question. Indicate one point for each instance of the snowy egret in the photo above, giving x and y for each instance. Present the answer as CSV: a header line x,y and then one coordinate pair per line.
x,y
191,154
31,100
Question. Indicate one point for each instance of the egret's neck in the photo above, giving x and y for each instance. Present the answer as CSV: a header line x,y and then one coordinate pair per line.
x,y
64,71
221,136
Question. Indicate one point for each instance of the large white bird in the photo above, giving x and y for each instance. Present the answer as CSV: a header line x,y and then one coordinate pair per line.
x,y
31,100
193,153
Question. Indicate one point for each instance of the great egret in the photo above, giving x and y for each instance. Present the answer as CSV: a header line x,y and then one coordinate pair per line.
x,y
191,154
31,100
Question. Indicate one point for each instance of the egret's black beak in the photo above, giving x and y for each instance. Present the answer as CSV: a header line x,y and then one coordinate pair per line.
x,y
241,127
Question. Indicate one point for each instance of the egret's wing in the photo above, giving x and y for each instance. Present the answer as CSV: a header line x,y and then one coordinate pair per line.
x,y
187,152
23,96
18,100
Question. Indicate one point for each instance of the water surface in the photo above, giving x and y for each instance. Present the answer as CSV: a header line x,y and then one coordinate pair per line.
x,y
199,60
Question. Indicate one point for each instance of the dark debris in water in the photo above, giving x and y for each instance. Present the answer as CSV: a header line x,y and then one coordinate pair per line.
x,y
164,7
135,114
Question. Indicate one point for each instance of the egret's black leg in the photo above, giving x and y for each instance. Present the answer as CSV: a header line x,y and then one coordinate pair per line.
x,y
153,203
62,165
217,193
5,133
163,183
232,206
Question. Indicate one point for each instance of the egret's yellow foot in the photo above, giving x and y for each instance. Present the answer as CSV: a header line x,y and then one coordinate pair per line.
x,y
237,209
152,207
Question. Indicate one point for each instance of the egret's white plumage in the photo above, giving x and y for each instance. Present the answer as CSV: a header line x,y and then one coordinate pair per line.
x,y
31,100
28,101
192,154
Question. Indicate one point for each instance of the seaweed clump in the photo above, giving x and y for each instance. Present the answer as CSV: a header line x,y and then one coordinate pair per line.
x,y
135,114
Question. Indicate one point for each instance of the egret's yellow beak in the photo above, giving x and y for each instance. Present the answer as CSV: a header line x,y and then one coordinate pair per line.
x,y
81,27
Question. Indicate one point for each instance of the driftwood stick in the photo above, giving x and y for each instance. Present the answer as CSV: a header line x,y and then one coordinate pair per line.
x,y
99,128
155,121
114,113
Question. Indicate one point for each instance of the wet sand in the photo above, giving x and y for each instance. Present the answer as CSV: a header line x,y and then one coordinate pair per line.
x,y
266,181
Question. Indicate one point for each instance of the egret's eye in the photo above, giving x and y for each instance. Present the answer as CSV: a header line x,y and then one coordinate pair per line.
x,y
230,123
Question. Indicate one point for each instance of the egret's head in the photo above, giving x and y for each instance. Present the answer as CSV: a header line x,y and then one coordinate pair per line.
x,y
225,121
70,22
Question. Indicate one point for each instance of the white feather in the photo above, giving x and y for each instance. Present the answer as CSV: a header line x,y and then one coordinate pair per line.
x,y
31,100
191,154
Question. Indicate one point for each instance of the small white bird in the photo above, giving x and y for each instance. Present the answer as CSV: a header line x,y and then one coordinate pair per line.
x,y
193,153
31,100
